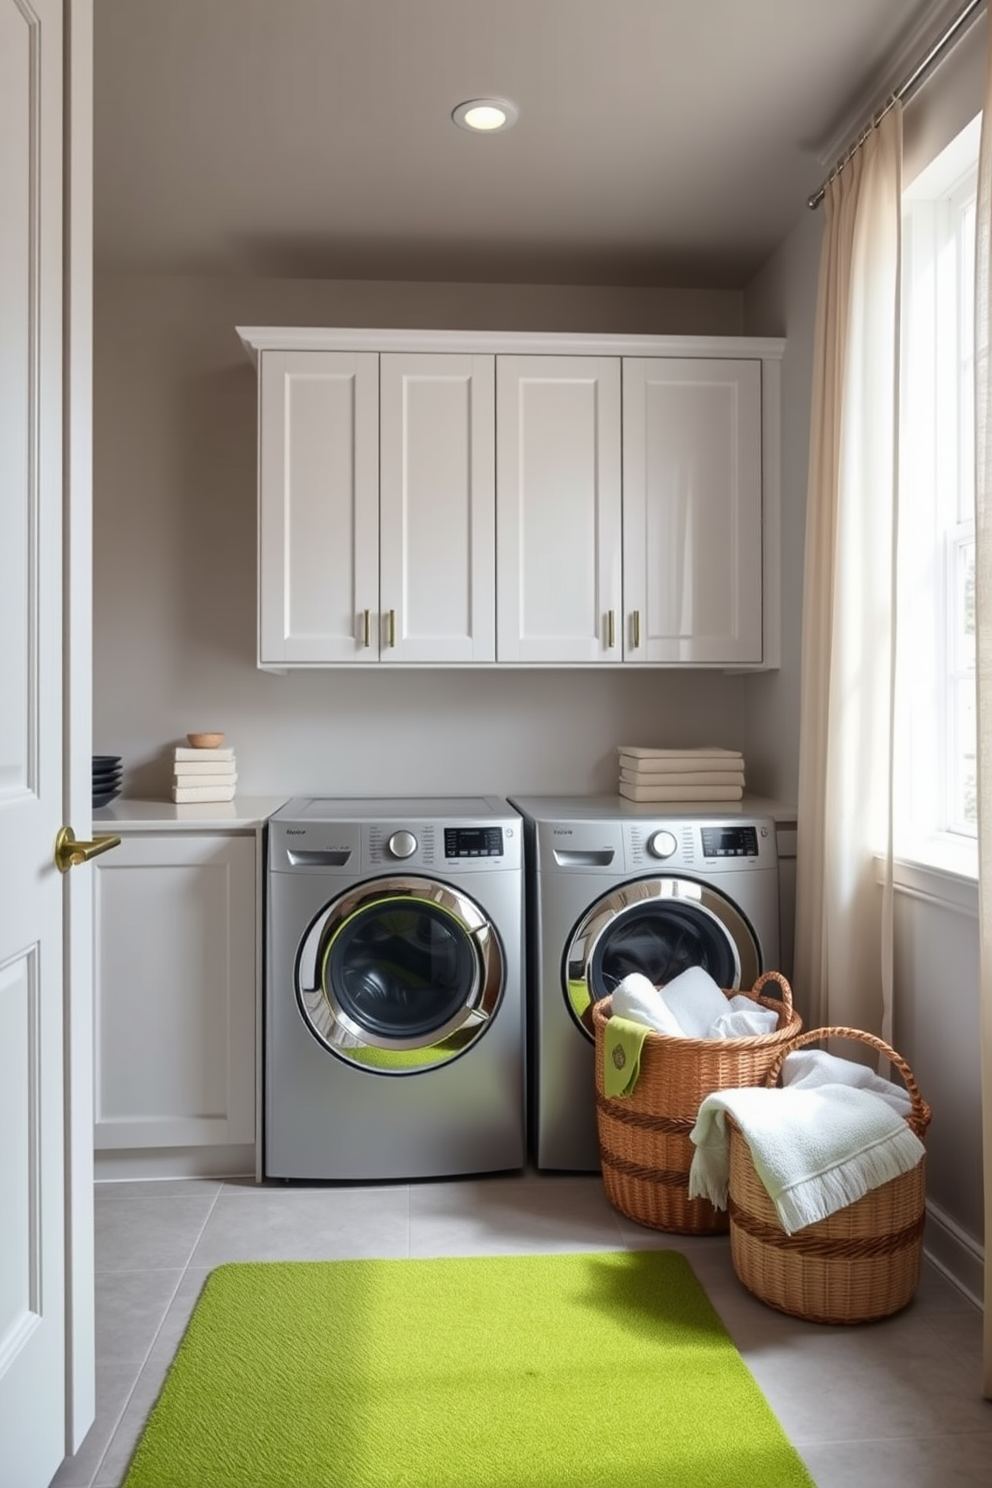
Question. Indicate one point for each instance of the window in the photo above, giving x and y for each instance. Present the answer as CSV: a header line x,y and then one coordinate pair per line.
x,y
935,796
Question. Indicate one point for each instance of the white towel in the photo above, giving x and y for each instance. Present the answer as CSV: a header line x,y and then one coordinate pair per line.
x,y
638,999
224,752
704,752
663,778
208,782
815,1150
806,1068
751,1022
695,1001
204,766
182,794
681,764
680,792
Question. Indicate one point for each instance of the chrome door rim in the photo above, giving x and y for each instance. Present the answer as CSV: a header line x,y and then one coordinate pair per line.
x,y
722,913
341,1034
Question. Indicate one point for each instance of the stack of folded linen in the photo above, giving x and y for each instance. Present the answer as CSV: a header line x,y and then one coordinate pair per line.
x,y
704,774
203,775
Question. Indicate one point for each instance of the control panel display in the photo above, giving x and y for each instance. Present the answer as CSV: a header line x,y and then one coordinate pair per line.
x,y
473,842
730,842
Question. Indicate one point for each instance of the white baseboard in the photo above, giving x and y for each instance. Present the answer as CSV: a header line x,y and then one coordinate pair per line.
x,y
111,1166
955,1254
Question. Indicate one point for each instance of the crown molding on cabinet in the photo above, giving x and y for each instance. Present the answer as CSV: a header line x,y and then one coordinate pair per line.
x,y
256,339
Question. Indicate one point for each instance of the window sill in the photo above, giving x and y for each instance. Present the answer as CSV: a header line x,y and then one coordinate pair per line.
x,y
941,869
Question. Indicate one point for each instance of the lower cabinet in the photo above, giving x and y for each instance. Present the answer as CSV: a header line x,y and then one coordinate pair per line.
x,y
176,975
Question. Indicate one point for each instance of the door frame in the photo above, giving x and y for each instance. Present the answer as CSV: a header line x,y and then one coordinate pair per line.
x,y
77,670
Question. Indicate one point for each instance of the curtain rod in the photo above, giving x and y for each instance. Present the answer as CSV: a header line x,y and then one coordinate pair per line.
x,y
896,96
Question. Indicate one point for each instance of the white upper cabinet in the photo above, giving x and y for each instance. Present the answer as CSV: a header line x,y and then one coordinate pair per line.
x,y
318,516
692,510
558,509
376,508
453,498
437,535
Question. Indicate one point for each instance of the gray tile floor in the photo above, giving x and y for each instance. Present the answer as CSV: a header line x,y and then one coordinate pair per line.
x,y
892,1404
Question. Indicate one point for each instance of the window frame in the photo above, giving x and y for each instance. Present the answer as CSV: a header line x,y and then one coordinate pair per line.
x,y
935,663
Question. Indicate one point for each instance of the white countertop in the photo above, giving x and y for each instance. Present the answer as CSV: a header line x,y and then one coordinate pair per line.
x,y
249,812
244,813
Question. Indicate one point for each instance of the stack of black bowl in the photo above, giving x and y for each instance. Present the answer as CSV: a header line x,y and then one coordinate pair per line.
x,y
107,774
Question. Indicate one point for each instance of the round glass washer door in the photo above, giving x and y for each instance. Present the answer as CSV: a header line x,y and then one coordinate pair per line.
x,y
400,975
660,927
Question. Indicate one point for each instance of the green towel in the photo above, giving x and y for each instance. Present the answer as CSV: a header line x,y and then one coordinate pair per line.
x,y
622,1055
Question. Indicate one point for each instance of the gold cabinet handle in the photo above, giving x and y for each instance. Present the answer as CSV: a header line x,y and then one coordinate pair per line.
x,y
69,853
636,629
611,629
367,633
392,627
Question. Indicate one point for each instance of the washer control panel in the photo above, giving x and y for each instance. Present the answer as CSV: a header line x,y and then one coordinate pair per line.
x,y
473,842
350,836
714,846
729,842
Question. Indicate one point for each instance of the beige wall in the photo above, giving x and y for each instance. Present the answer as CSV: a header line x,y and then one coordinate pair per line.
x,y
174,564
781,301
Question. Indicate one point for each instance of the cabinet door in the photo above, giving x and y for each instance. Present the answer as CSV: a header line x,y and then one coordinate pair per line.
x,y
437,509
175,992
692,510
558,529
318,507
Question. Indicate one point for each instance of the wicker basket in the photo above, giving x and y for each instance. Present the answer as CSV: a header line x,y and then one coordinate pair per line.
x,y
644,1147
861,1263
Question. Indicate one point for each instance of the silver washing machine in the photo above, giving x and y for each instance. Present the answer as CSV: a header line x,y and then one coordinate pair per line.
x,y
393,1028
616,886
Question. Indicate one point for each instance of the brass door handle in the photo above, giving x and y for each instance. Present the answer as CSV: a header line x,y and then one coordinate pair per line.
x,y
636,629
611,630
69,853
367,628
392,627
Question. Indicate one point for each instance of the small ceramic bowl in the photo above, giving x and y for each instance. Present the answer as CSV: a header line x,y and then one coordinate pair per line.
x,y
205,741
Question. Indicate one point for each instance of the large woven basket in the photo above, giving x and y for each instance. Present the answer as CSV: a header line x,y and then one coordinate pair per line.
x,y
859,1264
644,1147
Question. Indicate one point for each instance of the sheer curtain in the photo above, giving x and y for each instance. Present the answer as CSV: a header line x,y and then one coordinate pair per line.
x,y
983,658
843,953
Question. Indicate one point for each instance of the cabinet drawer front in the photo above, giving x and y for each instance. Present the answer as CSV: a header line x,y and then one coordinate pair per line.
x,y
692,509
318,504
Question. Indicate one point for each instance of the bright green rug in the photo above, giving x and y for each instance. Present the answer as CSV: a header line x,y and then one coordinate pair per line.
x,y
589,1370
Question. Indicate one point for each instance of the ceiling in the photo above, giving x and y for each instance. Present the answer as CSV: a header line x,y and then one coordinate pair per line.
x,y
659,142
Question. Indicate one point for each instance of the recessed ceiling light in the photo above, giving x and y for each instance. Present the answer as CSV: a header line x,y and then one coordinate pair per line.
x,y
485,115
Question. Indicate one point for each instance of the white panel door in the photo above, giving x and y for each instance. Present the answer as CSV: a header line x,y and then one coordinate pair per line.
x,y
558,533
437,508
176,992
33,1167
318,507
692,510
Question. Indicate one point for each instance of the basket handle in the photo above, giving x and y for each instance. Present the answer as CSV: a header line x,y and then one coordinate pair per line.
x,y
921,1111
785,991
